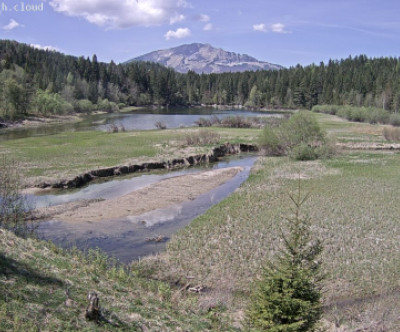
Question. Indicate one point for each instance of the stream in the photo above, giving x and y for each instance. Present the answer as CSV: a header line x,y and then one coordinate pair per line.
x,y
133,237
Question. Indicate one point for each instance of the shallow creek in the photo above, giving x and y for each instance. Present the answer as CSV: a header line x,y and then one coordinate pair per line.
x,y
133,237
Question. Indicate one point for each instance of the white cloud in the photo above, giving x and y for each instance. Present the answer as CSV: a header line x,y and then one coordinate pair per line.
x,y
176,18
208,27
260,27
47,48
204,18
12,25
178,34
278,28
123,13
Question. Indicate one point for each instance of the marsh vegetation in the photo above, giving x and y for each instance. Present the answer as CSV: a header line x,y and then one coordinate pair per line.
x,y
222,254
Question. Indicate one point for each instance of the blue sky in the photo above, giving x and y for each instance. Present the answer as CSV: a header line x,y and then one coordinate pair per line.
x,y
286,32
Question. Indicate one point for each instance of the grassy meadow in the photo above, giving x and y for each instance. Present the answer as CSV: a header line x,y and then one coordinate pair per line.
x,y
353,205
69,154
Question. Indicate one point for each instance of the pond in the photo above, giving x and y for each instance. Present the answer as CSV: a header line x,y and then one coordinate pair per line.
x,y
143,119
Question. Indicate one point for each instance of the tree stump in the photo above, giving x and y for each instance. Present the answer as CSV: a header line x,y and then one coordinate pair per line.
x,y
93,309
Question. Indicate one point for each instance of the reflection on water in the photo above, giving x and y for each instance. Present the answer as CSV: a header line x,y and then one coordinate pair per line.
x,y
139,120
128,238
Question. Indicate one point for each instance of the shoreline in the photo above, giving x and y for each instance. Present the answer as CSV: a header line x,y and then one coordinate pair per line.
x,y
36,121
32,121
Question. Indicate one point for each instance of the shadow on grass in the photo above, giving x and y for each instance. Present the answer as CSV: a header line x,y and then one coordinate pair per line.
x,y
11,268
16,279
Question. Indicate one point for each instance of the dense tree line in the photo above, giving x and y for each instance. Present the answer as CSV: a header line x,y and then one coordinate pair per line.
x,y
48,82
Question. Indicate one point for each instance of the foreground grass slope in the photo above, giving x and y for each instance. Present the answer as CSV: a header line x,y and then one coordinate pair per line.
x,y
35,275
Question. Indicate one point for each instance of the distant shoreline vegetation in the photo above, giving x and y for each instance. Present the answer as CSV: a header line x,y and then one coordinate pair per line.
x,y
40,82
371,115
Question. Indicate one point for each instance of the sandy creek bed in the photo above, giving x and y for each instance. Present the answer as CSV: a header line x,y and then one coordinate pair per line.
x,y
159,195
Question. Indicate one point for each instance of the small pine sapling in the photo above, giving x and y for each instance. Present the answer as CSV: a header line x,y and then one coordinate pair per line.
x,y
288,297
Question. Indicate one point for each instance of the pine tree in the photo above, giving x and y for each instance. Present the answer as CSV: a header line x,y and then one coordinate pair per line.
x,y
288,298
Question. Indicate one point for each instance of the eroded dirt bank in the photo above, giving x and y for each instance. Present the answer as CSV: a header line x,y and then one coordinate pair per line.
x,y
162,194
213,155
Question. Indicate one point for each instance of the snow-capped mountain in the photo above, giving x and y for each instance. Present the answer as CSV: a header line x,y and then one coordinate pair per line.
x,y
204,58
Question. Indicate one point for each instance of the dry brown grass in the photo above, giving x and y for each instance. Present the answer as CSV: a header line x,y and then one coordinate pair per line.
x,y
391,134
354,209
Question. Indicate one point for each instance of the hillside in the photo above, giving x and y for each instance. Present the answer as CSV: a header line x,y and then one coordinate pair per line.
x,y
35,277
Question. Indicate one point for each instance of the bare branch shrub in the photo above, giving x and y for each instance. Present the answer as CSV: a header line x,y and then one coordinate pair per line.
x,y
202,138
14,211
160,125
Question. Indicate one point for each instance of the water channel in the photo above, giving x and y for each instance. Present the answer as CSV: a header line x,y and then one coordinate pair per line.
x,y
128,238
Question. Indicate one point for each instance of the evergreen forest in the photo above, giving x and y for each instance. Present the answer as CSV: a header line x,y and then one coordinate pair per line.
x,y
34,81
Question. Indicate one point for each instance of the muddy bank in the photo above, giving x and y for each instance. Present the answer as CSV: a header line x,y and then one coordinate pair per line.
x,y
35,121
167,192
217,152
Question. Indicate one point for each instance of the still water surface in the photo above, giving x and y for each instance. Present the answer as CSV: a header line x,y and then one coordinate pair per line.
x,y
144,119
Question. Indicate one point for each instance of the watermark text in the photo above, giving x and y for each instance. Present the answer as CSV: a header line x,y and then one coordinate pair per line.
x,y
21,7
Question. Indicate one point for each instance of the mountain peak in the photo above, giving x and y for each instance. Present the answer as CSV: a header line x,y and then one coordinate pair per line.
x,y
204,58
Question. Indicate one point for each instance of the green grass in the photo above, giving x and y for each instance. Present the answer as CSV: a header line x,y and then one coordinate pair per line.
x,y
35,275
69,154
350,132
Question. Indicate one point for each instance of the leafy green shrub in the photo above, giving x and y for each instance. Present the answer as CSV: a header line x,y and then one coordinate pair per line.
x,y
83,106
359,114
299,137
51,103
303,128
288,297
378,115
107,106
394,120
67,108
304,152
271,142
328,109
327,150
